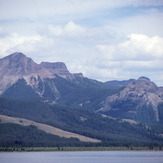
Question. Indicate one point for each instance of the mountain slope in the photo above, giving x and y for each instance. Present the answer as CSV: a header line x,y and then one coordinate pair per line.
x,y
48,93
138,101
46,128
14,135
82,122
22,78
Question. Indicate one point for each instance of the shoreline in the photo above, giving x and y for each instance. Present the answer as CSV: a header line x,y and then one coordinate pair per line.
x,y
64,149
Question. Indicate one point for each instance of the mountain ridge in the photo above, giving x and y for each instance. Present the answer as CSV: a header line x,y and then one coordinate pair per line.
x,y
136,94
49,79
112,112
17,66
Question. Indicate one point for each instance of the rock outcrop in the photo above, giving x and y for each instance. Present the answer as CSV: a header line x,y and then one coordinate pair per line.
x,y
137,95
58,68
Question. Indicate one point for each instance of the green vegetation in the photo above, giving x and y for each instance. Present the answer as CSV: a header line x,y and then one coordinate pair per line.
x,y
111,132
70,104
160,110
83,91
158,126
129,109
73,93
21,91
46,149
22,101
13,135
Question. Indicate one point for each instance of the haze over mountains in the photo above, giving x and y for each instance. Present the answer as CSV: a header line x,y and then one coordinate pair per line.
x,y
50,94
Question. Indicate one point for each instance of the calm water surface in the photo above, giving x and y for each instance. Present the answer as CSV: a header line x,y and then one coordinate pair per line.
x,y
83,157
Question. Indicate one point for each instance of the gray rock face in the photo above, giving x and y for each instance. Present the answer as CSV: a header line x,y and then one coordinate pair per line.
x,y
133,97
58,68
78,75
17,66
55,65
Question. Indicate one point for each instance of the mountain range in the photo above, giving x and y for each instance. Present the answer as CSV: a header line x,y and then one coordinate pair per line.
x,y
126,112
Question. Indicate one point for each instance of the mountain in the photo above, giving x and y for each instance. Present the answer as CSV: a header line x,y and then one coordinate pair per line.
x,y
48,93
17,66
22,78
139,101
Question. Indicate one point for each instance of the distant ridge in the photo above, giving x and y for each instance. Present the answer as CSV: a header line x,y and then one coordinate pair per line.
x,y
120,83
139,100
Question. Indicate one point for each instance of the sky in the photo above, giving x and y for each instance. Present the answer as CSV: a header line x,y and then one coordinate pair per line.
x,y
104,39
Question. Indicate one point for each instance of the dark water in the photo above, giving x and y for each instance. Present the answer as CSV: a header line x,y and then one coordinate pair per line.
x,y
83,157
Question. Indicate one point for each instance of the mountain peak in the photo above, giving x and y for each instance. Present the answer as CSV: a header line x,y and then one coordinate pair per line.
x,y
142,85
16,54
144,78
18,64
15,57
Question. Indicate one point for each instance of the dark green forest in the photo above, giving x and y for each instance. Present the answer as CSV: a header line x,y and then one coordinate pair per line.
x,y
13,135
74,111
110,132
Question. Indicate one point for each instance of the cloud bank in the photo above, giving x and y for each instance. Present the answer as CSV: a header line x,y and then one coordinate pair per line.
x,y
106,40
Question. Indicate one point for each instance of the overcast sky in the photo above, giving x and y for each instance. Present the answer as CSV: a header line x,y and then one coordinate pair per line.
x,y
103,39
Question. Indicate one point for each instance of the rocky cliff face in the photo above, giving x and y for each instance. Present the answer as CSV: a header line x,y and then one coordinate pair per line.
x,y
17,66
138,95
58,68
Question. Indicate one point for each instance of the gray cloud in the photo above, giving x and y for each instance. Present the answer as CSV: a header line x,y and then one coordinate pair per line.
x,y
11,9
102,48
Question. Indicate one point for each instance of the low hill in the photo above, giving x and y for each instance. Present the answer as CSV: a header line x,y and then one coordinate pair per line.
x,y
46,128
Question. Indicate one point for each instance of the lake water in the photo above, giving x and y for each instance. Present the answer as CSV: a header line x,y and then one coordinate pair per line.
x,y
83,157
